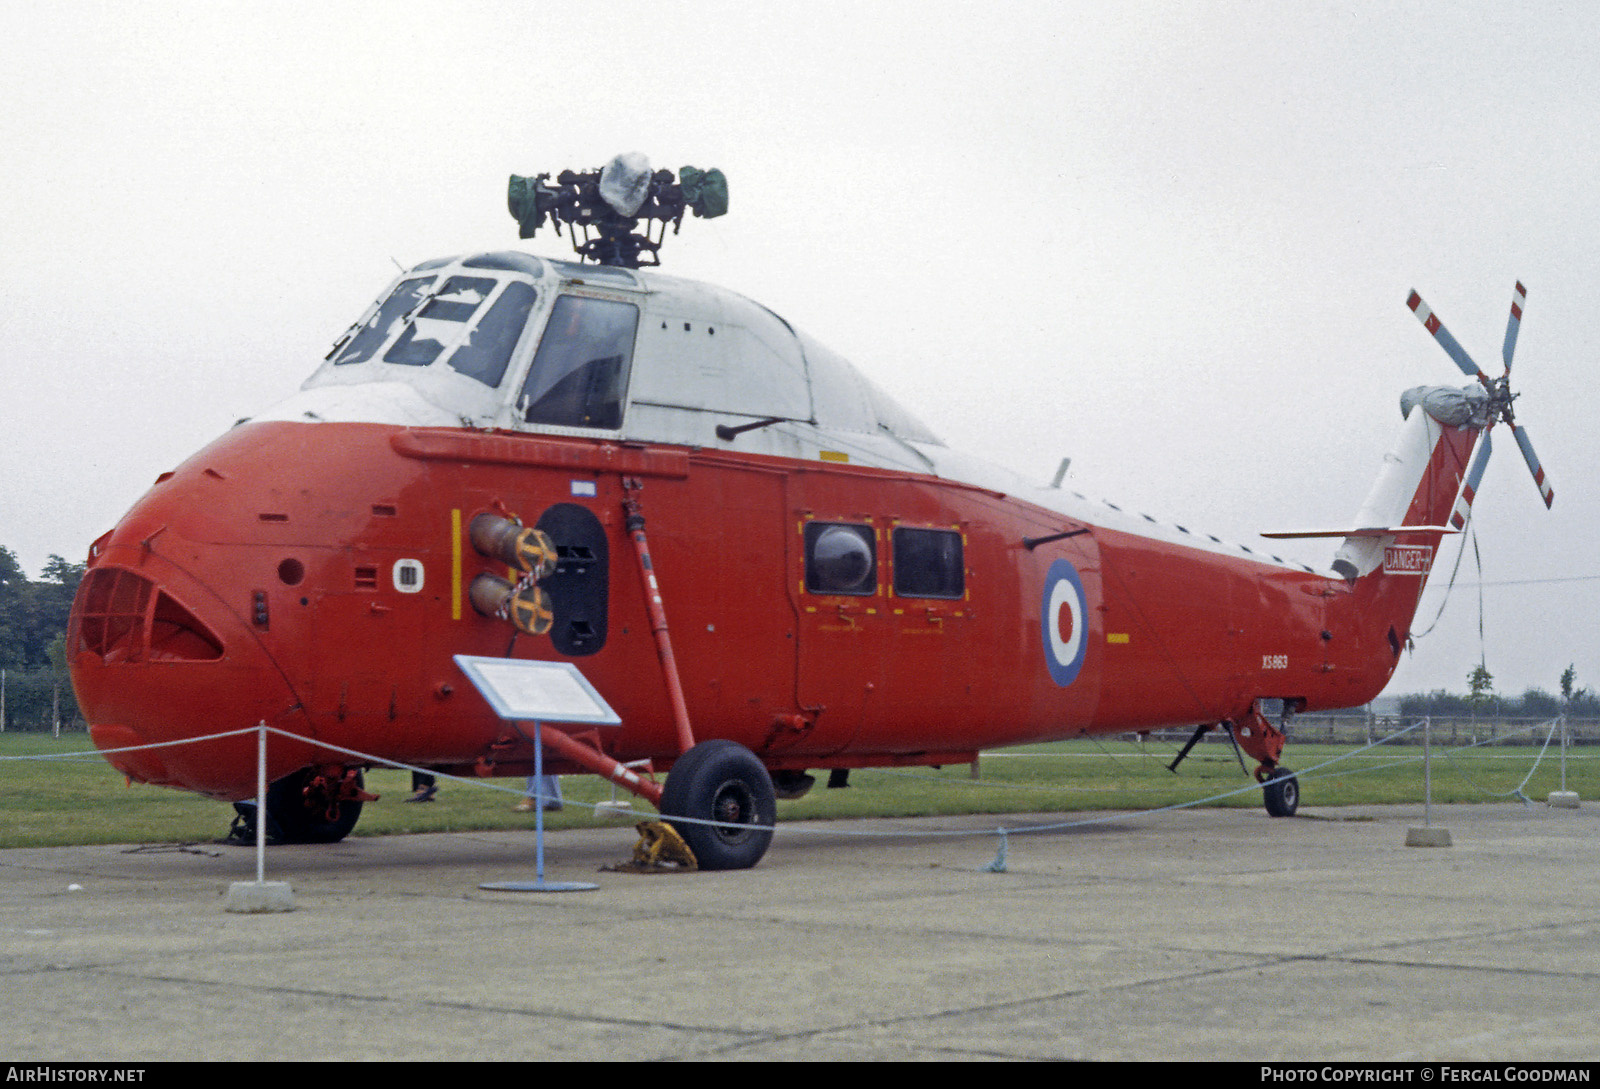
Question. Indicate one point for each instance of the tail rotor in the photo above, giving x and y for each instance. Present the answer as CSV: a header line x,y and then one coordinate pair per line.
x,y
1500,397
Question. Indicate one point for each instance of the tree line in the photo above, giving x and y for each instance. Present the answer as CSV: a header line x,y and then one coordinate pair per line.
x,y
1482,701
37,694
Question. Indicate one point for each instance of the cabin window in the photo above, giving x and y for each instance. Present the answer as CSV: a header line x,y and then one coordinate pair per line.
x,y
840,559
928,563
371,336
580,373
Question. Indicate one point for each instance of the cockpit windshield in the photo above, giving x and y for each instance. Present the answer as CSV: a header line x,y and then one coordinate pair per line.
x,y
472,322
370,337
442,322
541,348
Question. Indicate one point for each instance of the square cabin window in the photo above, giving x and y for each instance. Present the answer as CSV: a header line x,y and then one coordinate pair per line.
x,y
928,563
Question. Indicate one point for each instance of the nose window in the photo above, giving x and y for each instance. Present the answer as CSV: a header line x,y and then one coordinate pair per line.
x,y
371,336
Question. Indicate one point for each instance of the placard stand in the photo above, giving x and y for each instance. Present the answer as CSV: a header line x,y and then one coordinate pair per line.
x,y
537,692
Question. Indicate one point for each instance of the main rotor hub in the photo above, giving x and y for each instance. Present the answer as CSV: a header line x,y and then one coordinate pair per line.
x,y
618,214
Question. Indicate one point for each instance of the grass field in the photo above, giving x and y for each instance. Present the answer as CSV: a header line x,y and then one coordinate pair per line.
x,y
72,800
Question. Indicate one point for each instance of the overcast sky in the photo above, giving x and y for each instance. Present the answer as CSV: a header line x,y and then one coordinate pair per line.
x,y
1171,241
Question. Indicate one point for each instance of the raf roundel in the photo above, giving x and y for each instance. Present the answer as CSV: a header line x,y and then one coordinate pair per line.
x,y
1064,622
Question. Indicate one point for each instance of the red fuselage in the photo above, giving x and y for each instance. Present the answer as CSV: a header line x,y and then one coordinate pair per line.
x,y
315,576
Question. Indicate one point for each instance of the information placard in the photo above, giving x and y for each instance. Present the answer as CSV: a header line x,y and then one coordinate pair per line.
x,y
537,691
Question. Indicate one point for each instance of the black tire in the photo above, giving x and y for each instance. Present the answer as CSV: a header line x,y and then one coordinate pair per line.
x,y
1281,793
296,818
721,781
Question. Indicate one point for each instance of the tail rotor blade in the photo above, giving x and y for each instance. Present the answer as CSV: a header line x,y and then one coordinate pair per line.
x,y
1514,323
1533,464
1469,487
1449,343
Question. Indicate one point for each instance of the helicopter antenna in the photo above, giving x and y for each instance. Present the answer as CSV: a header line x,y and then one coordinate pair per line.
x,y
616,215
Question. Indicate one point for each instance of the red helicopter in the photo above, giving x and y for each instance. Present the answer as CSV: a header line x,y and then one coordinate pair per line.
x,y
764,564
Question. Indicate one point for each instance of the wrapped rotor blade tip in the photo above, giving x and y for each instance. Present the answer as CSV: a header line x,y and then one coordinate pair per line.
x,y
705,191
625,182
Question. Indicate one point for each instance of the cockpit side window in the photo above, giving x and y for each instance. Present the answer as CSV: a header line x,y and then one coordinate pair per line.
x,y
579,376
371,336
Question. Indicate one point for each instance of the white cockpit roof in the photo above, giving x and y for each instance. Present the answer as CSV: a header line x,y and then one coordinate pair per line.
x,y
507,340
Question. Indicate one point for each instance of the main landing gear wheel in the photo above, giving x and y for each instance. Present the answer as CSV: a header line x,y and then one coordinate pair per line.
x,y
300,812
1281,792
722,781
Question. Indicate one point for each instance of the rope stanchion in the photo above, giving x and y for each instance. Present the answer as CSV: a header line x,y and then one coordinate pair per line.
x,y
261,896
1563,798
1427,835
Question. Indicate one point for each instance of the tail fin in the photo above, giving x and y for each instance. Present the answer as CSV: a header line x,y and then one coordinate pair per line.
x,y
1420,485
1425,478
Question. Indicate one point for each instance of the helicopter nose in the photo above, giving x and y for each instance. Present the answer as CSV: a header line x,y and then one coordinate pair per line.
x,y
155,659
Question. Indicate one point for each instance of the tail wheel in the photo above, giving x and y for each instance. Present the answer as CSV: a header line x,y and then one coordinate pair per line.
x,y
722,781
1281,793
304,808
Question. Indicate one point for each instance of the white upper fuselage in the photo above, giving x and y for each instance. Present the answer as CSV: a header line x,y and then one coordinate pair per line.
x,y
480,342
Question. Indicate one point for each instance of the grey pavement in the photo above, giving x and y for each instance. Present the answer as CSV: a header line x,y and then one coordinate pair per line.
x,y
1201,934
